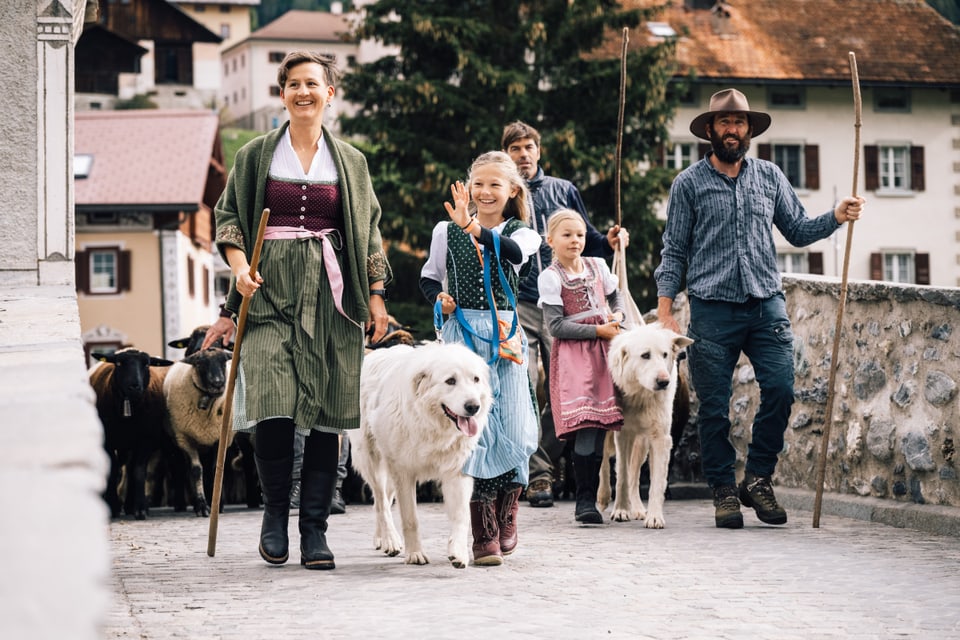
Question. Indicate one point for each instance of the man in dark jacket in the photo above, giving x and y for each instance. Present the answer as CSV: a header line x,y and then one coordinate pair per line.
x,y
549,194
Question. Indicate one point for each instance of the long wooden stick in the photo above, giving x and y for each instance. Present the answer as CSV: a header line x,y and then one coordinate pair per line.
x,y
225,426
623,100
834,358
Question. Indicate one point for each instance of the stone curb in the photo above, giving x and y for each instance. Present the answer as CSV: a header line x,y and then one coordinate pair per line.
x,y
928,518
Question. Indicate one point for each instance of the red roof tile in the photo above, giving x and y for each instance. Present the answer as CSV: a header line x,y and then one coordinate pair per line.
x,y
145,156
895,41
306,25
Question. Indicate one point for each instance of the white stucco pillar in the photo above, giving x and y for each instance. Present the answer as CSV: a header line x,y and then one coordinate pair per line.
x,y
58,26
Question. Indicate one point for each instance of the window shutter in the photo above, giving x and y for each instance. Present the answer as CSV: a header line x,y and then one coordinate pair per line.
x,y
661,155
764,151
123,271
811,166
876,266
82,264
921,263
815,262
916,169
702,148
871,167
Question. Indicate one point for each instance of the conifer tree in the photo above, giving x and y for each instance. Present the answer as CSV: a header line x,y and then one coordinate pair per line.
x,y
466,69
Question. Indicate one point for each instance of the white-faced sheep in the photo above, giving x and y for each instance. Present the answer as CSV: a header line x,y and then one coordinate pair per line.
x,y
194,389
129,389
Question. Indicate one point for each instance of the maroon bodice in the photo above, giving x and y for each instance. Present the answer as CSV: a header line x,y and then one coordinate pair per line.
x,y
308,205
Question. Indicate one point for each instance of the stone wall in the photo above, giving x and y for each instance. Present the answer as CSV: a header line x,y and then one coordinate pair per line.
x,y
895,411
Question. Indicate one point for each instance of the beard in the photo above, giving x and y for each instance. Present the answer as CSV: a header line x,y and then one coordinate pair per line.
x,y
725,154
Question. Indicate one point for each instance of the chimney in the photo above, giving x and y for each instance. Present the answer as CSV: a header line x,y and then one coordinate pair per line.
x,y
720,19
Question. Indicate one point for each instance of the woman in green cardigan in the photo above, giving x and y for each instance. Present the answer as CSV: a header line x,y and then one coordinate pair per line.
x,y
319,287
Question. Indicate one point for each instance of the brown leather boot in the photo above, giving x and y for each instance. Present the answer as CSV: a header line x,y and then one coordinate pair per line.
x,y
486,533
508,506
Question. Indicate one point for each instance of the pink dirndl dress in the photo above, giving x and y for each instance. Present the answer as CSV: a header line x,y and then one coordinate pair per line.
x,y
582,393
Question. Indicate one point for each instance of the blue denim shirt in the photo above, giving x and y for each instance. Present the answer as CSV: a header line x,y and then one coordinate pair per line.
x,y
719,231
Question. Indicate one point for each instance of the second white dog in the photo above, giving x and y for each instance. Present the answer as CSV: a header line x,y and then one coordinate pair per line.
x,y
643,364
422,410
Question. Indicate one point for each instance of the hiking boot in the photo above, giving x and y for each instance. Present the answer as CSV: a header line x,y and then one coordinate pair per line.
x,y
727,513
338,506
540,493
756,492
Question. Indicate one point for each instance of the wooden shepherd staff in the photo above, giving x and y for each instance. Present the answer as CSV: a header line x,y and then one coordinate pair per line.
x,y
632,315
225,426
623,100
834,358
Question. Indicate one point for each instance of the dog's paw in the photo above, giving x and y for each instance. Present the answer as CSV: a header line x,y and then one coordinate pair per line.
x,y
389,546
458,563
654,522
417,557
620,515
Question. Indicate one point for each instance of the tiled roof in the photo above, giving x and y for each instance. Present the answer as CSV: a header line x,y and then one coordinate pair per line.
x,y
895,41
144,157
306,25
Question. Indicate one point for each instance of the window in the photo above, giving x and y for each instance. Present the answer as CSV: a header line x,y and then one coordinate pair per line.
x,y
225,31
276,56
800,262
103,270
191,277
82,163
891,100
200,8
226,69
799,162
900,266
893,168
206,285
786,98
792,262
274,90
233,64
680,155
787,157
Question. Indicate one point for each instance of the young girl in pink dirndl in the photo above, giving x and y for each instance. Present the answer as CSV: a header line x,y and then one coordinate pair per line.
x,y
583,309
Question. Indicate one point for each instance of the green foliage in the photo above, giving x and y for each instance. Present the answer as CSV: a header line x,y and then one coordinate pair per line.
x,y
269,10
139,101
467,69
232,140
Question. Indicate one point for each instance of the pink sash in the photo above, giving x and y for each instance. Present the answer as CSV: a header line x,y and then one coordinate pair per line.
x,y
332,267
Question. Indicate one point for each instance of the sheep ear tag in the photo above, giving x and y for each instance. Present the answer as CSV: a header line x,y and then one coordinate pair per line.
x,y
468,426
127,410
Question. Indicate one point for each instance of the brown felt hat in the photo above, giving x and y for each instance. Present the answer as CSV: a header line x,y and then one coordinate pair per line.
x,y
725,101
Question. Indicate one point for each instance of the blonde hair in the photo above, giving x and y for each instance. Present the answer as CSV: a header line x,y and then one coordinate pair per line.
x,y
519,205
562,215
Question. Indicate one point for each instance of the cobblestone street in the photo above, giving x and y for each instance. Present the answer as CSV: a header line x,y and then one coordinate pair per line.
x,y
847,579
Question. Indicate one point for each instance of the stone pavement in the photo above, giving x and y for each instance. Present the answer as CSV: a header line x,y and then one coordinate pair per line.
x,y
847,579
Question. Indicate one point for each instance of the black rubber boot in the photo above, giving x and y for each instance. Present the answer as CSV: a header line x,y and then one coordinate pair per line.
x,y
586,470
316,494
275,482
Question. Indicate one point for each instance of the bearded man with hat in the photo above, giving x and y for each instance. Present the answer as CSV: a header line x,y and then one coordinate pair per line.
x,y
719,235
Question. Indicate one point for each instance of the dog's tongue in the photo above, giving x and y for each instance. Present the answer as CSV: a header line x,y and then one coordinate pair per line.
x,y
468,426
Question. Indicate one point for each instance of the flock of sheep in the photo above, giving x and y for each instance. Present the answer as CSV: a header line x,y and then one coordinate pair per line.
x,y
154,408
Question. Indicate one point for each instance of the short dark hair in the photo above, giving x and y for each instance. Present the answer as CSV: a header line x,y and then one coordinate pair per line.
x,y
518,131
326,60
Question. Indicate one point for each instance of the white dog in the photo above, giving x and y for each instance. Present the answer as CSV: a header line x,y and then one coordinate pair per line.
x,y
422,410
643,364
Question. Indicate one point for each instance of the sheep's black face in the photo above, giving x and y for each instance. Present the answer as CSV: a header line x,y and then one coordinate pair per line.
x,y
131,374
210,371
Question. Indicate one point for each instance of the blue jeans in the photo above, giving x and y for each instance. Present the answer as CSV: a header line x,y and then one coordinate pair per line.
x,y
722,330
